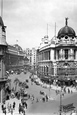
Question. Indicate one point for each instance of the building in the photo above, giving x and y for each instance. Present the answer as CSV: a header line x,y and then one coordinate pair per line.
x,y
29,55
15,57
12,57
57,58
34,51
3,48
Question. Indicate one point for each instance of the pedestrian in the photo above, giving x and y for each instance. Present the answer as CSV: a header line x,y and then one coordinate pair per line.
x,y
43,99
68,90
46,98
14,105
11,110
8,107
4,108
32,97
26,104
19,109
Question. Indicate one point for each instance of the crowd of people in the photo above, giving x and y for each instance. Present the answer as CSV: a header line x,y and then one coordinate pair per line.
x,y
9,108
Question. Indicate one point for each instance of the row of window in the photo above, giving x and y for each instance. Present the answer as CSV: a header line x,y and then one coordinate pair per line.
x,y
66,54
44,56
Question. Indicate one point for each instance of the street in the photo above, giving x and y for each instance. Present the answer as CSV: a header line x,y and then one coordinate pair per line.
x,y
40,107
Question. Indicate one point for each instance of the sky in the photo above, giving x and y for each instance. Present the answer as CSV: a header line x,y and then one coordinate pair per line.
x,y
27,20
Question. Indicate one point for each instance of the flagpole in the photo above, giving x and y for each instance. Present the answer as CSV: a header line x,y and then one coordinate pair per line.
x,y
47,29
2,8
16,41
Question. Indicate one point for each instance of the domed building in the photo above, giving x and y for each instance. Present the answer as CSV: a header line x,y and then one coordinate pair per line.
x,y
58,58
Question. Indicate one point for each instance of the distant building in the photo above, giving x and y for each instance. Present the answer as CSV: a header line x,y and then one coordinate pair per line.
x,y
29,55
15,57
34,51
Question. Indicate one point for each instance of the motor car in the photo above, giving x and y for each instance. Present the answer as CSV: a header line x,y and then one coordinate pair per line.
x,y
26,86
44,86
37,83
27,80
25,96
42,93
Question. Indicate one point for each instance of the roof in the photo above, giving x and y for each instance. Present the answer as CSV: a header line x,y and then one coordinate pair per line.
x,y
66,31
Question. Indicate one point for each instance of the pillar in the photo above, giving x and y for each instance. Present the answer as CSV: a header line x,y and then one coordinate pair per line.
x,y
55,68
76,54
61,54
72,53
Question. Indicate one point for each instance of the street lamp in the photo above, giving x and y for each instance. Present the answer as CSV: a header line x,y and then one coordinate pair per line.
x,y
61,101
49,86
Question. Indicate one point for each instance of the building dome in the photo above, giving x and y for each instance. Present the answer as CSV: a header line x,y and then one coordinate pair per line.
x,y
66,31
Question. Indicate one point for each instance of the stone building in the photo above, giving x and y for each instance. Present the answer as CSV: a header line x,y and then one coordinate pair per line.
x,y
57,58
3,48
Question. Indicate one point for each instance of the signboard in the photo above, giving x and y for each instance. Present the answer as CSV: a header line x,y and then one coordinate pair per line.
x,y
67,108
68,71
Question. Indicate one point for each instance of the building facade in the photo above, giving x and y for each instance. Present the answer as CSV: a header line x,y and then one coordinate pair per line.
x,y
15,57
11,57
3,48
58,58
29,55
34,51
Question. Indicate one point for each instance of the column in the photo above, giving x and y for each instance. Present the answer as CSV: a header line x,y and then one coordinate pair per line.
x,y
52,55
1,68
72,53
42,55
55,68
56,55
1,95
61,53
2,98
76,54
69,54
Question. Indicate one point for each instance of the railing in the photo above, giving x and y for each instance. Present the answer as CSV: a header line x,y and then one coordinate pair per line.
x,y
65,42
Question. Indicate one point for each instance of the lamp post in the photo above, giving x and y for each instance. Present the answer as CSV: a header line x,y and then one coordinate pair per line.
x,y
61,100
49,86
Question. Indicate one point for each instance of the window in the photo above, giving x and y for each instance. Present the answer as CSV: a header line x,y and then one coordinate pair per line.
x,y
66,53
58,54
74,53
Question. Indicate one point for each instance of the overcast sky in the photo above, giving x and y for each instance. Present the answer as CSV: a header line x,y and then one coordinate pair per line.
x,y
27,20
